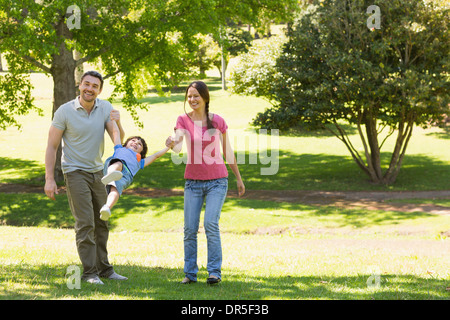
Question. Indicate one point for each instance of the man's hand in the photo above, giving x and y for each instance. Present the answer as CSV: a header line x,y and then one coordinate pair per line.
x,y
51,188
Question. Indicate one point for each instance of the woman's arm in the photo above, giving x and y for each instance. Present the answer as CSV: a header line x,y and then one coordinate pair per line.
x,y
231,160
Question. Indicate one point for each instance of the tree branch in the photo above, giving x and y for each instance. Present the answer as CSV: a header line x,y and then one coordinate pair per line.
x,y
355,155
33,61
105,49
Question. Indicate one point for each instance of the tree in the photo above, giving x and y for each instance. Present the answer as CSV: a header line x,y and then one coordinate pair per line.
x,y
233,41
208,52
338,68
254,72
136,44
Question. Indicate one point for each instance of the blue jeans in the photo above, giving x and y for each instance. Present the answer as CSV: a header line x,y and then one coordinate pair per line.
x,y
213,193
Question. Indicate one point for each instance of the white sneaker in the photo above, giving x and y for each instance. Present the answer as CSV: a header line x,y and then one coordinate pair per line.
x,y
105,213
112,176
94,280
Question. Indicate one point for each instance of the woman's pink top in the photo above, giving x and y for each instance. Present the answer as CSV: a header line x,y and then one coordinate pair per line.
x,y
204,161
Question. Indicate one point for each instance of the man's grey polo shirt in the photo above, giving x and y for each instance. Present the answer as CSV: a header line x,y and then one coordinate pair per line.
x,y
83,137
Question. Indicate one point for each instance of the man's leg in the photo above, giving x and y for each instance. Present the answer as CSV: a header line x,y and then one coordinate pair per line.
x,y
80,201
99,197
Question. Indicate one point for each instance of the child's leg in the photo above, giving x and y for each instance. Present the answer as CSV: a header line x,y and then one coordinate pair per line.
x,y
113,197
115,166
113,172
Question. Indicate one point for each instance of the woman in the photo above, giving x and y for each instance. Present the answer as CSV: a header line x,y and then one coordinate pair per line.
x,y
206,178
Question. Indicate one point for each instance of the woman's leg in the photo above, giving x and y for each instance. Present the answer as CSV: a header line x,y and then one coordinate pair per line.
x,y
193,202
215,197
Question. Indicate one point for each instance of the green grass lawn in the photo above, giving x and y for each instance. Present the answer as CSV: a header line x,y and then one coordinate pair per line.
x,y
34,263
272,250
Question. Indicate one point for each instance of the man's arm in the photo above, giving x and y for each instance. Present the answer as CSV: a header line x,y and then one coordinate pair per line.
x,y
54,139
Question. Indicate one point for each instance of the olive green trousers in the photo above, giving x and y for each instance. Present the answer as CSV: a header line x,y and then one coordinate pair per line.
x,y
87,194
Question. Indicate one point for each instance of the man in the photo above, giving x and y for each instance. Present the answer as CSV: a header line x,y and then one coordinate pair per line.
x,y
81,124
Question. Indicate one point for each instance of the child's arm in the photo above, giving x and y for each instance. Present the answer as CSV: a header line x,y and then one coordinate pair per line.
x,y
115,116
113,132
148,160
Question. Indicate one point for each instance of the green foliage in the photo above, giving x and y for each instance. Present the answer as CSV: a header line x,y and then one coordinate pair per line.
x,y
239,41
207,54
255,72
15,94
334,67
136,43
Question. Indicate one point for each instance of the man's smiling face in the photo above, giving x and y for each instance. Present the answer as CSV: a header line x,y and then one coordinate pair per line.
x,y
90,88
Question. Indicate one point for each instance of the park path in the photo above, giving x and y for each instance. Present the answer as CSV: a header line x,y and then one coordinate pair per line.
x,y
370,200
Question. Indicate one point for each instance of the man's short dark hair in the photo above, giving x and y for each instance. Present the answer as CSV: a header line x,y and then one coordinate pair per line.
x,y
93,74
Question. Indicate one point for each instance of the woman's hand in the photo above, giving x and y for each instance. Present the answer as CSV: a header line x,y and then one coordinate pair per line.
x,y
241,188
170,143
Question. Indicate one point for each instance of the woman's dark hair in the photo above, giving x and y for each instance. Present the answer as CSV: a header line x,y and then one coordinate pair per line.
x,y
144,145
93,74
203,90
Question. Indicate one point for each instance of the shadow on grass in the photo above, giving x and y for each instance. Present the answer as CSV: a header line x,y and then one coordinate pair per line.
x,y
336,216
24,281
295,172
14,170
292,172
443,134
318,133
307,172
37,210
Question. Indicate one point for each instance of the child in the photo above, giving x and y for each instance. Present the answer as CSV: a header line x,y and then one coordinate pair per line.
x,y
122,166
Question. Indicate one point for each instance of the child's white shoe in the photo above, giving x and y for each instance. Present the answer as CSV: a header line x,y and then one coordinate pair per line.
x,y
111,176
105,213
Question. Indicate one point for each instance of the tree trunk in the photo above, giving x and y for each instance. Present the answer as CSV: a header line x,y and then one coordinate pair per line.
x,y
373,160
63,73
404,134
224,68
372,148
79,71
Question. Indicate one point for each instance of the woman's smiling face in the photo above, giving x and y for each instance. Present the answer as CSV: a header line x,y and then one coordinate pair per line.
x,y
195,100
